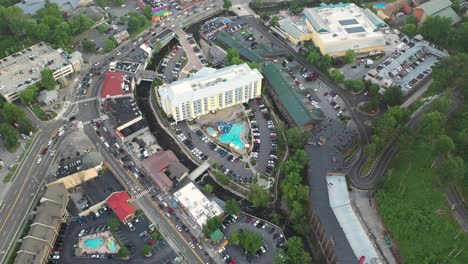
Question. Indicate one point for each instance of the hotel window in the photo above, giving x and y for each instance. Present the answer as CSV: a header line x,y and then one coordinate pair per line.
x,y
205,104
197,107
228,98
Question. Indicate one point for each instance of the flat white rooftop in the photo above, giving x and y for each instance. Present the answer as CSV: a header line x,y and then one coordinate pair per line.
x,y
209,82
348,220
345,23
23,68
197,204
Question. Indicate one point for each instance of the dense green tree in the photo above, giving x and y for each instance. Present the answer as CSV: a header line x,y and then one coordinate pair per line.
x,y
8,135
289,185
251,241
442,104
233,57
208,188
110,44
235,237
89,46
373,90
258,196
136,23
232,207
450,73
297,137
411,20
80,24
123,252
431,125
452,170
337,76
147,251
211,225
401,115
47,79
350,56
443,144
393,96
227,4
294,253
102,3
355,86
437,30
313,57
114,224
29,94
147,11
274,20
410,29
301,157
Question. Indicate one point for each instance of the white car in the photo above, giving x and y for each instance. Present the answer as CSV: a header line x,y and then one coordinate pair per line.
x,y
39,160
50,142
191,244
132,228
256,223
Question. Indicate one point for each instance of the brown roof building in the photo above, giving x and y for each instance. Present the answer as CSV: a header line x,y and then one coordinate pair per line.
x,y
162,168
50,214
392,8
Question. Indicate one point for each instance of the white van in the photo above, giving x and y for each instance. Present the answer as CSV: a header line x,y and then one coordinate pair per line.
x,y
106,144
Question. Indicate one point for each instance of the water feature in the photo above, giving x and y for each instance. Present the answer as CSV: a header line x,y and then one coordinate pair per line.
x,y
111,245
234,136
380,5
93,243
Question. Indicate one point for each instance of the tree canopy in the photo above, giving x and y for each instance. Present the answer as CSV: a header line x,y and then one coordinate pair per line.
x,y
47,79
393,96
211,225
258,196
232,207
294,252
9,136
29,94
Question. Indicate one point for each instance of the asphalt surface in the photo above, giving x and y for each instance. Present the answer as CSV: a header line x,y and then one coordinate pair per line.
x,y
30,175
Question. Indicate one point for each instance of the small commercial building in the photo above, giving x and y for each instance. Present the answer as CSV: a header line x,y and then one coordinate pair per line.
x,y
442,8
295,30
125,116
390,9
47,97
196,205
118,202
162,168
23,68
117,84
209,90
121,36
38,244
30,7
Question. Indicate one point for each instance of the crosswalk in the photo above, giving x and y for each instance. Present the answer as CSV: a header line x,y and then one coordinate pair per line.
x,y
145,192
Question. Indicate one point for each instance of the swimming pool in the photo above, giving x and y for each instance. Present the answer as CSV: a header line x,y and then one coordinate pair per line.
x,y
211,131
234,136
111,245
93,243
380,5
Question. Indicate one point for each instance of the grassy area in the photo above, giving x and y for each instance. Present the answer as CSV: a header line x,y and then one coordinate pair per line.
x,y
11,175
417,214
37,110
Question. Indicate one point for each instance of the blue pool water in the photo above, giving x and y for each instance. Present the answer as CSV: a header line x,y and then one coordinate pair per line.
x,y
380,5
234,136
93,243
111,245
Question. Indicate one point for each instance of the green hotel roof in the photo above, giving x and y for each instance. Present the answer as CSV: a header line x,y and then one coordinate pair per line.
x,y
300,114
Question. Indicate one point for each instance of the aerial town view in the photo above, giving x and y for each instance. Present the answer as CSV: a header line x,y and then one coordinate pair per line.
x,y
234,131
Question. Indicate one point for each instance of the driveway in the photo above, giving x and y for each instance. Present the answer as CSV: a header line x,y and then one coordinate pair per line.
x,y
193,60
265,145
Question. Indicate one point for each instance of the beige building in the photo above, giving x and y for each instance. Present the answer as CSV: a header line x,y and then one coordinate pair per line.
x,y
38,244
209,90
335,29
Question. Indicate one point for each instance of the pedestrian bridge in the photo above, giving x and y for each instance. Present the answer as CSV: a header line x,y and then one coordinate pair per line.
x,y
199,171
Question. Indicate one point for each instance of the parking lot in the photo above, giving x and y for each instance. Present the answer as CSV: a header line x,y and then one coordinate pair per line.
x,y
134,240
273,238
172,64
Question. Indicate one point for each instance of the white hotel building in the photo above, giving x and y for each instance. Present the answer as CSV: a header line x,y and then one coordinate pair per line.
x,y
209,90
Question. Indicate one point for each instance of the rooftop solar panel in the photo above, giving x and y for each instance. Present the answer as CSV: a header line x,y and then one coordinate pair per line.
x,y
348,22
355,29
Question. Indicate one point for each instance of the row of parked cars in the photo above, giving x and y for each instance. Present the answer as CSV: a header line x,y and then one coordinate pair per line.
x,y
187,142
59,243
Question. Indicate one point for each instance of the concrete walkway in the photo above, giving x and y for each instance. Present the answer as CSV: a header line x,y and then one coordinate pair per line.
x,y
365,207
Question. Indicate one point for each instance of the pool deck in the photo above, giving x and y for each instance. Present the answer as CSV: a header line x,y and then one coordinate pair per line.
x,y
101,249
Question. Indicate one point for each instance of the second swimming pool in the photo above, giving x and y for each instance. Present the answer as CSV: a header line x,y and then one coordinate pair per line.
x,y
234,136
94,243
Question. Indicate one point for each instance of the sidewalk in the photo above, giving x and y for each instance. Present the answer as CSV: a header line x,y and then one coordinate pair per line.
x,y
366,209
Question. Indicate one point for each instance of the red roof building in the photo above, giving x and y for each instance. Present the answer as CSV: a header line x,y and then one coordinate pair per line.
x,y
117,84
118,202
